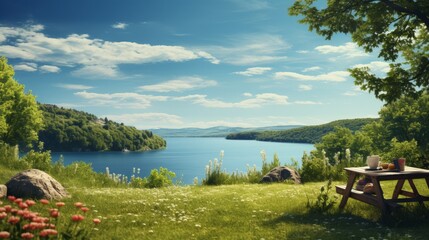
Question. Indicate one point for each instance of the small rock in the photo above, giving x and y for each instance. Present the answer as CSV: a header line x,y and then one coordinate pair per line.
x,y
280,174
35,184
3,191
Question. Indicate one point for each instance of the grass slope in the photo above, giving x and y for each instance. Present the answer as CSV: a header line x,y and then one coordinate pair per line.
x,y
275,211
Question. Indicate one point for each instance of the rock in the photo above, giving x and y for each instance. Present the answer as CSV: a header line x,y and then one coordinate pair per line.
x,y
3,191
36,184
280,174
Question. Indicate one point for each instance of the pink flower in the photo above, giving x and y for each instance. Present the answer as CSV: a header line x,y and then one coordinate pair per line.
x,y
47,232
77,218
18,200
30,202
8,208
13,220
84,209
27,235
60,204
96,221
78,204
54,213
11,198
44,201
4,234
3,215
23,205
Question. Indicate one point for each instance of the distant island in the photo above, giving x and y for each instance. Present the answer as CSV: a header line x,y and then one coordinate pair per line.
x,y
219,131
78,131
305,134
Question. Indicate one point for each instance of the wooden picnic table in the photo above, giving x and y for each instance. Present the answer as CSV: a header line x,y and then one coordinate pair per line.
x,y
376,176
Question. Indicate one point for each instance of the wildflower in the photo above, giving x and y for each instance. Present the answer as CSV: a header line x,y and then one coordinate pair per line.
x,y
23,205
47,232
3,215
4,234
13,220
11,198
96,221
8,208
84,209
77,218
30,203
60,204
54,213
44,201
27,235
78,204
18,200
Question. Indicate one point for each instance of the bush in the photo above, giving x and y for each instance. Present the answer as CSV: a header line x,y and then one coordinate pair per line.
x,y
161,178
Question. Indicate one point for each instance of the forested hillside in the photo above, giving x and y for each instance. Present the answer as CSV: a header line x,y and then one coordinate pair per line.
x,y
307,134
72,130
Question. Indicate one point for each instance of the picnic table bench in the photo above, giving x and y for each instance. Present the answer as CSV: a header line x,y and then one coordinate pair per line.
x,y
376,176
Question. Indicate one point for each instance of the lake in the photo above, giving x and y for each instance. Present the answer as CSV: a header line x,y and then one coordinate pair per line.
x,y
187,157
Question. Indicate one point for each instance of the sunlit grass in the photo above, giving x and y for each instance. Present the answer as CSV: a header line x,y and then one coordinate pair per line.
x,y
276,211
242,211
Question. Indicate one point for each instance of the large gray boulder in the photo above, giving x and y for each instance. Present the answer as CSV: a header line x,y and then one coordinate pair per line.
x,y
35,184
3,191
280,174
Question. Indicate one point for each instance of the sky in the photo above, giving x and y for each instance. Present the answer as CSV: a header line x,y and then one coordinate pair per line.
x,y
188,63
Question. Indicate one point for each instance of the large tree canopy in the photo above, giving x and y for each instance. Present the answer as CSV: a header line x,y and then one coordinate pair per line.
x,y
20,118
397,28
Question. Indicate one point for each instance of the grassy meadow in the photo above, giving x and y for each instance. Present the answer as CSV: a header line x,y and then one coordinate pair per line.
x,y
242,211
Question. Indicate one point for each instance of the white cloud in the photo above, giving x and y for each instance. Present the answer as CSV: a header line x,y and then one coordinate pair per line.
x,y
120,100
304,87
49,68
94,58
251,49
247,94
337,76
310,69
303,51
257,101
307,103
181,84
375,66
28,67
254,71
97,71
120,25
354,92
348,50
74,86
148,120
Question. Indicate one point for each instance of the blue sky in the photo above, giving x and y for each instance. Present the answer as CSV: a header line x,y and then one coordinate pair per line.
x,y
188,63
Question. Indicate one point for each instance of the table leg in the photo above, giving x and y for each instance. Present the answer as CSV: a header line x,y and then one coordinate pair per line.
x,y
379,194
398,188
350,182
415,191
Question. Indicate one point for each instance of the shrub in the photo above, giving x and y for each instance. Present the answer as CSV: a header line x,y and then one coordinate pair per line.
x,y
325,200
161,178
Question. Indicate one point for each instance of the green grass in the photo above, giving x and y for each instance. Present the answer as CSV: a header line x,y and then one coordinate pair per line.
x,y
250,211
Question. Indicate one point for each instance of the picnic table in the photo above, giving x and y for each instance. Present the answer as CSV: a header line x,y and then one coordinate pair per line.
x,y
377,199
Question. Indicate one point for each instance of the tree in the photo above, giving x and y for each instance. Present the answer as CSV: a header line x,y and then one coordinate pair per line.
x,y
399,28
20,117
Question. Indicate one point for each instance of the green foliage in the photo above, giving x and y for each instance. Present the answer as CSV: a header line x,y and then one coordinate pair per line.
x,y
325,200
398,29
215,175
308,134
72,130
406,149
161,178
39,160
20,118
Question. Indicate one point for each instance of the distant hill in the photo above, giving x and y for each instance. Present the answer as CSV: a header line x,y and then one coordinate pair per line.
x,y
213,131
306,134
72,130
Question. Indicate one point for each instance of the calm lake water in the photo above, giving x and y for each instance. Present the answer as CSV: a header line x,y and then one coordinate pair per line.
x,y
187,157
